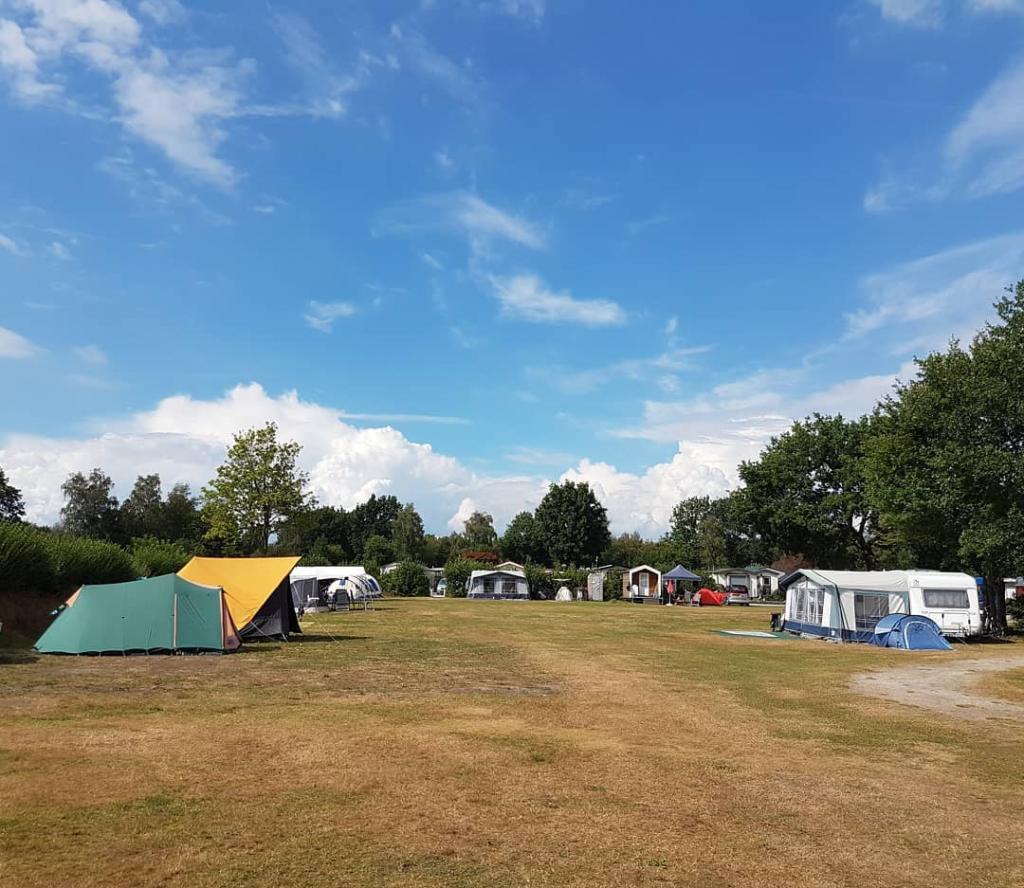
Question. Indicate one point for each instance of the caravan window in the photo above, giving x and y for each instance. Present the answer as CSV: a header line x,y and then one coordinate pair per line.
x,y
809,603
947,598
869,609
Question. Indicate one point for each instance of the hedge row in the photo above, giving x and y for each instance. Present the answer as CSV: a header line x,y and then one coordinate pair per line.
x,y
44,563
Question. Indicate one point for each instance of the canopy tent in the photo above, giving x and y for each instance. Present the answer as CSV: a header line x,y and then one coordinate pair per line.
x,y
681,573
256,589
910,632
159,615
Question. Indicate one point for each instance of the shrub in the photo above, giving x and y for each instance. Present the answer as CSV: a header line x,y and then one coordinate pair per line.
x,y
25,562
407,579
613,585
155,557
78,560
456,573
540,582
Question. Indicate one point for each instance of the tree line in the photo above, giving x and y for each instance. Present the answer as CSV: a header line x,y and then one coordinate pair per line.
x,y
933,477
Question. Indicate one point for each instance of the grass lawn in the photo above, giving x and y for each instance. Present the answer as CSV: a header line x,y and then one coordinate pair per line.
x,y
464,743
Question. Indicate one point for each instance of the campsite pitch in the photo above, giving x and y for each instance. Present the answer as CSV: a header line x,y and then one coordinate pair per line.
x,y
457,743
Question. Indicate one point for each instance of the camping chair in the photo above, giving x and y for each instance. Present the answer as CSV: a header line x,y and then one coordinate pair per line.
x,y
342,601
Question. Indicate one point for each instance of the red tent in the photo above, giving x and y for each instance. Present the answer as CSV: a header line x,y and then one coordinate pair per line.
x,y
709,598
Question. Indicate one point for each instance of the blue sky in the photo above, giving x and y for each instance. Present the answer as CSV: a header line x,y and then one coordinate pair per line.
x,y
460,249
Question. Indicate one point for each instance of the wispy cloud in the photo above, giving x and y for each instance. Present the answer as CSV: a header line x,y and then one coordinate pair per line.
x,y
59,251
916,13
917,306
463,213
14,345
431,260
526,297
404,417
638,226
92,354
10,245
417,54
322,315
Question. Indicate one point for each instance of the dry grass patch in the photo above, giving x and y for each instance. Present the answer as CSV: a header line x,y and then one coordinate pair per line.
x,y
490,744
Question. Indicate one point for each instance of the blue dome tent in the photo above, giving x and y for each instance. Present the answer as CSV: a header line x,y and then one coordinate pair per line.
x,y
910,632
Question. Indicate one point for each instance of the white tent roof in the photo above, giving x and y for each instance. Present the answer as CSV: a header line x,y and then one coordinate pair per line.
x,y
490,573
892,581
327,573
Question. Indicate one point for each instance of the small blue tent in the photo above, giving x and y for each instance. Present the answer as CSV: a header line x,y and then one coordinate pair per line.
x,y
910,632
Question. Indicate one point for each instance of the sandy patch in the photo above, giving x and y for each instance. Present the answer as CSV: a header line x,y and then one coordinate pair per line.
x,y
949,688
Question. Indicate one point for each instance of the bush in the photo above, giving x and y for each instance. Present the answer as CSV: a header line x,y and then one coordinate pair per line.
x,y
613,585
407,579
35,561
456,574
25,562
78,560
155,557
540,581
1015,609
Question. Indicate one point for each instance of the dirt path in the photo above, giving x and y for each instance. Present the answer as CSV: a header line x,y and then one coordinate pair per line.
x,y
949,688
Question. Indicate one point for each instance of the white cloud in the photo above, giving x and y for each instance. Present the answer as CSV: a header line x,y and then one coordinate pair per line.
x,y
443,159
432,261
184,439
481,223
59,251
14,345
177,103
526,297
982,154
92,354
917,13
9,244
919,305
163,12
418,55
671,325
322,315
989,140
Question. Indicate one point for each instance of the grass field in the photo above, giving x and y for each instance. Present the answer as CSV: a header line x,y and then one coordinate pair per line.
x,y
500,744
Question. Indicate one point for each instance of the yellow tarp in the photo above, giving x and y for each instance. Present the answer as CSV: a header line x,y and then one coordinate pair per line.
x,y
247,582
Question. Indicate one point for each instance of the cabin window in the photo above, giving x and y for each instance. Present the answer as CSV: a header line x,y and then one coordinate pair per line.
x,y
947,598
869,609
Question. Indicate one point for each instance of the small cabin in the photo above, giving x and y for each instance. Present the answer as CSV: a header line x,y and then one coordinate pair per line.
x,y
641,585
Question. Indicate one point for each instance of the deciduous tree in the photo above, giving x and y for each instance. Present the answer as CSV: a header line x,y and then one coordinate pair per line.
x,y
255,490
12,506
574,523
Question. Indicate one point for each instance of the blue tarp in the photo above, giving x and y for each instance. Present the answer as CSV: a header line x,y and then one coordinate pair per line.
x,y
910,632
680,573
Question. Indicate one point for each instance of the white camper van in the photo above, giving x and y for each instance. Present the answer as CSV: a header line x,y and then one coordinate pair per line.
x,y
847,604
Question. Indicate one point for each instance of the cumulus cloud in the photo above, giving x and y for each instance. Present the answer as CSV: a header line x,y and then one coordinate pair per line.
x,y
184,439
526,297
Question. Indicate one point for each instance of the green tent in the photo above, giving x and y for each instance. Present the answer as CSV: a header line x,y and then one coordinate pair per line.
x,y
161,614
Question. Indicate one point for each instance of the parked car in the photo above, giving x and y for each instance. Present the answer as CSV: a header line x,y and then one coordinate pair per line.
x,y
737,595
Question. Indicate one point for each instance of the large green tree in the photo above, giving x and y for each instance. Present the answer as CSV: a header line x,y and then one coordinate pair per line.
x,y
255,490
12,506
807,494
142,512
946,465
374,517
323,530
523,540
90,507
182,519
574,523
478,531
407,534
